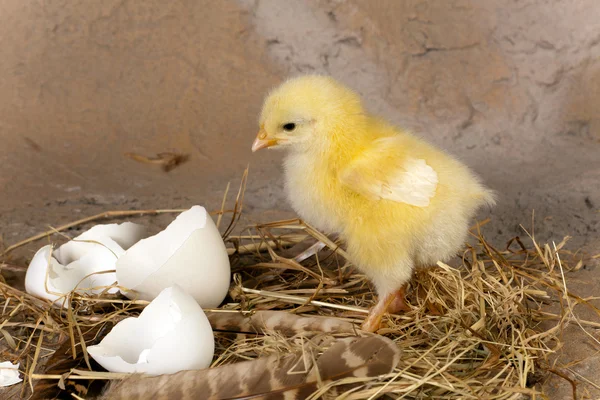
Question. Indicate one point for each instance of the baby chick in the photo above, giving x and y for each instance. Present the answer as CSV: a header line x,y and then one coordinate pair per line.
x,y
397,201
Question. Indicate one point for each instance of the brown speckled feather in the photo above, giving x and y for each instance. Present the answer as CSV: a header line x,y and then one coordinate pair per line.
x,y
292,376
280,321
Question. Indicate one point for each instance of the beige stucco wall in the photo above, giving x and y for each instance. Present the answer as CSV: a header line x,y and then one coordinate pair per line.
x,y
512,88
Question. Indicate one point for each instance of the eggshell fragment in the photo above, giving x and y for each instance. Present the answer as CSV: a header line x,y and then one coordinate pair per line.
x,y
189,252
75,263
9,374
45,272
114,237
35,279
171,334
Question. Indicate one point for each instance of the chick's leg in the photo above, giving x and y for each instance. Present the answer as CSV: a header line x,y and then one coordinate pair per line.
x,y
393,303
373,321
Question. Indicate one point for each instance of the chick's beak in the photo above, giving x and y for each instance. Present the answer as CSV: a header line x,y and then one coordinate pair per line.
x,y
261,141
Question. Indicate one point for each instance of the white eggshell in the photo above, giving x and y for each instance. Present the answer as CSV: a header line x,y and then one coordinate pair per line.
x,y
171,334
189,252
80,273
9,374
45,272
114,237
36,274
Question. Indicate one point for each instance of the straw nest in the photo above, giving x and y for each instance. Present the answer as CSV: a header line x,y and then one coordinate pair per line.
x,y
478,326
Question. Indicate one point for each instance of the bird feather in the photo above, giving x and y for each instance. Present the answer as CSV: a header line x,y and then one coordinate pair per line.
x,y
276,321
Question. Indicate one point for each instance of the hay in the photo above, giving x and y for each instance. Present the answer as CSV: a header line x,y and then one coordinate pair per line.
x,y
475,328
479,327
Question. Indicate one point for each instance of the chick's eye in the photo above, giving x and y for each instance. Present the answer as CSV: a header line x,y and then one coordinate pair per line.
x,y
290,126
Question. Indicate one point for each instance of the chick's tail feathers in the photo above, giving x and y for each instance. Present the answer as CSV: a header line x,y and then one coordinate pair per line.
x,y
480,193
485,197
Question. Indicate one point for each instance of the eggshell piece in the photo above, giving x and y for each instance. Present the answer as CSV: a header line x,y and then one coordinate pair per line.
x,y
171,334
84,274
126,234
48,279
189,252
115,237
9,374
35,277
78,247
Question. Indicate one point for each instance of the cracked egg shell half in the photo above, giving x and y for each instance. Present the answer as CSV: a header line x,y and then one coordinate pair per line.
x,y
9,374
189,252
77,264
172,334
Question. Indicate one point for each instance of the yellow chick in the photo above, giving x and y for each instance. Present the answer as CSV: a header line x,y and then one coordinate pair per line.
x,y
397,201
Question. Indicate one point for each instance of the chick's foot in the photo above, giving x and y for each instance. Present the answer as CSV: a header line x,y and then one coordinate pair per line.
x,y
393,303
373,321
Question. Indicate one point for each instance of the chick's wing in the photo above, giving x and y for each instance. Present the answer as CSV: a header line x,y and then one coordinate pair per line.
x,y
384,171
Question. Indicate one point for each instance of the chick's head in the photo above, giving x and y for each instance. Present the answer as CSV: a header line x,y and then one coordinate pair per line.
x,y
306,112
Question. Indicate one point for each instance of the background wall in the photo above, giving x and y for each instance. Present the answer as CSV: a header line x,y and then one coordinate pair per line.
x,y
512,88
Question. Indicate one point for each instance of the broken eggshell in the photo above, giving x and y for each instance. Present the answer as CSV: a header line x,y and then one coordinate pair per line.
x,y
63,279
189,252
9,374
76,263
172,334
114,237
